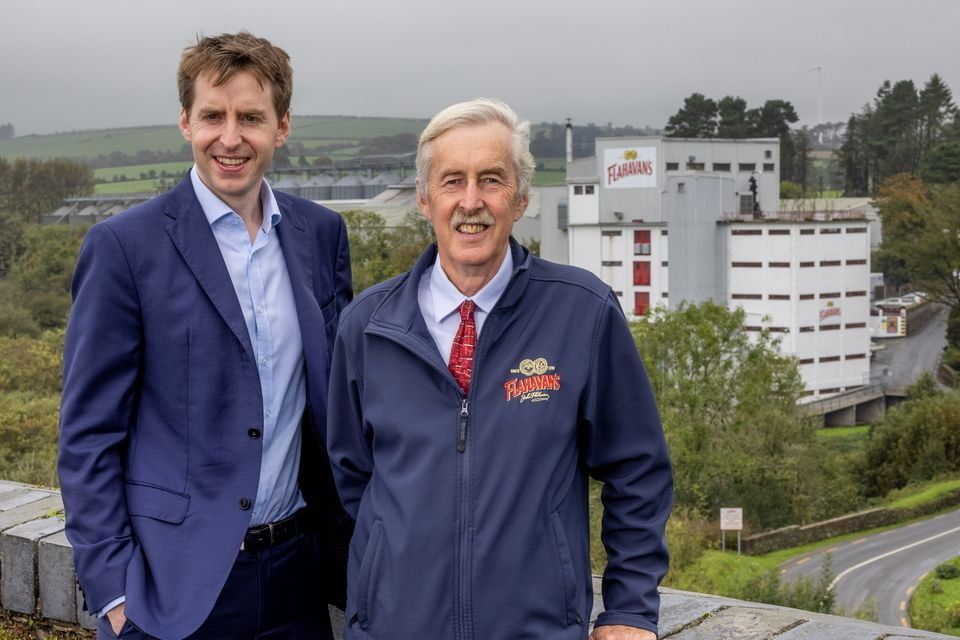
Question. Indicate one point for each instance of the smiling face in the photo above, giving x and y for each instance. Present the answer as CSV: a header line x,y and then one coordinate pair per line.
x,y
471,199
234,130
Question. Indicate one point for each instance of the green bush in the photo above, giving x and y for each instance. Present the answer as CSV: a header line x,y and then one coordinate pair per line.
x,y
947,571
28,437
32,365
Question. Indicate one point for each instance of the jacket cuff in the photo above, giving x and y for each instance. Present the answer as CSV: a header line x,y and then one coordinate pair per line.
x,y
626,619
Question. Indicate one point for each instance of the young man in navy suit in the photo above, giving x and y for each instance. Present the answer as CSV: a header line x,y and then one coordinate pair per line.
x,y
195,369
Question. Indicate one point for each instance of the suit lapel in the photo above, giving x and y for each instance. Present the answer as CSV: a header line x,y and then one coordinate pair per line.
x,y
194,239
298,256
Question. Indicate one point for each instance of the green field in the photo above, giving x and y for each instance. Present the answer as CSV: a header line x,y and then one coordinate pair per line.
x,y
130,186
87,145
133,171
312,131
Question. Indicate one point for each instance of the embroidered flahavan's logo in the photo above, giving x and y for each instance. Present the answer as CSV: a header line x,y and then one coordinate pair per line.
x,y
535,383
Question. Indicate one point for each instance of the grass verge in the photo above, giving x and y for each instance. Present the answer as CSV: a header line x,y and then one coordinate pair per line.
x,y
935,605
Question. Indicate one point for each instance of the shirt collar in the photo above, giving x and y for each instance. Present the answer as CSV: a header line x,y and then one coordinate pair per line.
x,y
447,298
214,208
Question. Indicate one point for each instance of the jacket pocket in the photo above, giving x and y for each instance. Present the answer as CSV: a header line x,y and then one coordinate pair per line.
x,y
366,581
155,502
567,573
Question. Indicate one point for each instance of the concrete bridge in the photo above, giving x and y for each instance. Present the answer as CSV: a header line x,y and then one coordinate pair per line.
x,y
37,578
865,404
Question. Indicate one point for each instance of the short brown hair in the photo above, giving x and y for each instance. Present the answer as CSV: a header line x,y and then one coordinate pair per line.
x,y
225,55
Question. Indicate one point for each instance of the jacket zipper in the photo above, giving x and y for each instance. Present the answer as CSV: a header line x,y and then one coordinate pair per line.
x,y
463,626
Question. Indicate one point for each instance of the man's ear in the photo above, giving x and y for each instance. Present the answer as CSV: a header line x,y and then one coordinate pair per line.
x,y
184,124
283,129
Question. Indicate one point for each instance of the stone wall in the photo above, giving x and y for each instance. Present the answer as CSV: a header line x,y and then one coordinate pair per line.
x,y
37,578
794,536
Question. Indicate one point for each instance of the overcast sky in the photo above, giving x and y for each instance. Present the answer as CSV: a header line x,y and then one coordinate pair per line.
x,y
88,64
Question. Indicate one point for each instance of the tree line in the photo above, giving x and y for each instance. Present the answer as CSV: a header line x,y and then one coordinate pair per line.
x,y
7,131
730,117
904,130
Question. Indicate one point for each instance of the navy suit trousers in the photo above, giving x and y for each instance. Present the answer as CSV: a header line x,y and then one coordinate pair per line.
x,y
273,594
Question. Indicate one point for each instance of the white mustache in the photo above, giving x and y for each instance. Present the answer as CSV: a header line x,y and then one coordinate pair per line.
x,y
482,216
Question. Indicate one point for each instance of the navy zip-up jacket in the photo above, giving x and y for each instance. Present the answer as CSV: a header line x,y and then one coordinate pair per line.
x,y
471,511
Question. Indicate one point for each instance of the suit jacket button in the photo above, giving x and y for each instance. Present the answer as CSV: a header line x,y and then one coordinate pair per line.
x,y
244,503
254,433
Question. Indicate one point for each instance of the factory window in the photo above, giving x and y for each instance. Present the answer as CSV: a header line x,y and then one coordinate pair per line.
x,y
830,263
663,232
641,302
673,166
768,166
849,262
746,296
641,273
807,264
856,229
746,232
831,389
747,166
830,359
750,327
641,242
778,264
664,295
806,232
721,166
778,232
611,263
829,327
823,296
746,203
578,190
807,361
681,187
779,330
768,154
619,294
664,264
856,294
695,166
807,329
856,356
856,325
829,230
806,296
778,296
588,189
611,233
746,264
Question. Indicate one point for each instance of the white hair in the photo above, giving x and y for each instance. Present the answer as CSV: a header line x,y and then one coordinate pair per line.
x,y
474,113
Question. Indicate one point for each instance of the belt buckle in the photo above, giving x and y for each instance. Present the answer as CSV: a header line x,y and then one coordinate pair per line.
x,y
270,532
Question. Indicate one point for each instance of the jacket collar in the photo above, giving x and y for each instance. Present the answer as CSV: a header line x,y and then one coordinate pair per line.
x,y
400,308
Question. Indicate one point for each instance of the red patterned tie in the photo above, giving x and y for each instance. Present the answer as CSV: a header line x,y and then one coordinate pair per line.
x,y
461,353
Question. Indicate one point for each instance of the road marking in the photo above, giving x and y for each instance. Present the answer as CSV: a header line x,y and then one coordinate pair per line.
x,y
861,540
832,549
843,573
903,622
802,560
909,591
903,605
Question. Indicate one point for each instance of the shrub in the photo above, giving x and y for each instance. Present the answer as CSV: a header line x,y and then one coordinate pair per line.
x,y
947,571
28,437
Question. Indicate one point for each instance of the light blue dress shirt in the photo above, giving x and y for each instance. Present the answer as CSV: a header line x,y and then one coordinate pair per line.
x,y
439,300
260,278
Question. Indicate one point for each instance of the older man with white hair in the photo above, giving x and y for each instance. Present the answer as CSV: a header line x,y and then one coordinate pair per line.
x,y
470,400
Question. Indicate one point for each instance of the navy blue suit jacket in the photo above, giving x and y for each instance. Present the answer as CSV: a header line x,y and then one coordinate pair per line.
x,y
160,393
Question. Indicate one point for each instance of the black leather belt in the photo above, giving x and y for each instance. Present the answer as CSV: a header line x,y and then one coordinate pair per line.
x,y
267,535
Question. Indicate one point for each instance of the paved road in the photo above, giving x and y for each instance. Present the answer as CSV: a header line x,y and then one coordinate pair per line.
x,y
884,568
904,359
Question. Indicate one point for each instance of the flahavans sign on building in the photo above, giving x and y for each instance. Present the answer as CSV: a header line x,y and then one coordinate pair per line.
x,y
630,168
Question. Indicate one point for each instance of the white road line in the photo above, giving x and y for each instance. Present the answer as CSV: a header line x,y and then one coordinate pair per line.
x,y
843,573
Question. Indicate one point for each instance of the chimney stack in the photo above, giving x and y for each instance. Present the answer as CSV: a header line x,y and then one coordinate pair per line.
x,y
569,141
